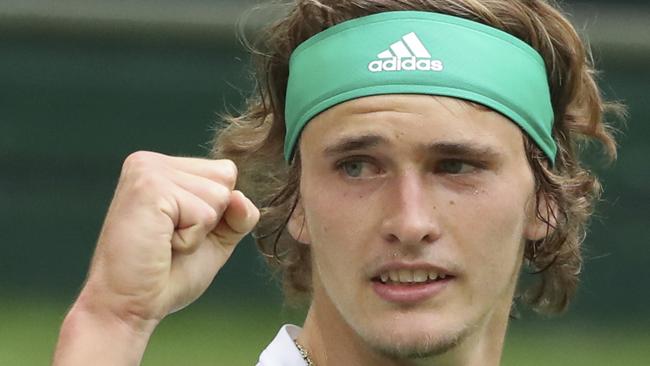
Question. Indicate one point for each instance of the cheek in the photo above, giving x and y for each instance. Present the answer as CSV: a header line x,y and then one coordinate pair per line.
x,y
335,230
342,223
338,212
489,228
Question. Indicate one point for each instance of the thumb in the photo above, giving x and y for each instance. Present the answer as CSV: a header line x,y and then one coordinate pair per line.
x,y
238,220
192,273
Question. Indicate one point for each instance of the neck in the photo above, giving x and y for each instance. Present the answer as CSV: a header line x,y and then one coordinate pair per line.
x,y
330,341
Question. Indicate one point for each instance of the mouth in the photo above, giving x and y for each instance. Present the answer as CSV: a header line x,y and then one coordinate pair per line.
x,y
409,277
410,285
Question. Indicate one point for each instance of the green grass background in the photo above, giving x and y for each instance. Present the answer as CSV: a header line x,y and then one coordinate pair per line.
x,y
209,333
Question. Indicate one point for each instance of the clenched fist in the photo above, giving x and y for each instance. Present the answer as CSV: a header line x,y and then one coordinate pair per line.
x,y
171,226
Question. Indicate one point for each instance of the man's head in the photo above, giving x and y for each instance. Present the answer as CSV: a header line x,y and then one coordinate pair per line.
x,y
397,188
380,181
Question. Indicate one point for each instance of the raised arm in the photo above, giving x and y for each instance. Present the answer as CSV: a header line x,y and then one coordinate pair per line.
x,y
171,226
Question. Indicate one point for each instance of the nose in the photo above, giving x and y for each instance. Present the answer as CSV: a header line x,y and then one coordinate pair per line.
x,y
410,213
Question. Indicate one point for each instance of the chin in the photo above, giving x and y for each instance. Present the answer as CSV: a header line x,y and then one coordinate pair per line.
x,y
411,337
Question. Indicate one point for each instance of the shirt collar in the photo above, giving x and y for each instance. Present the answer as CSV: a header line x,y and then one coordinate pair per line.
x,y
282,350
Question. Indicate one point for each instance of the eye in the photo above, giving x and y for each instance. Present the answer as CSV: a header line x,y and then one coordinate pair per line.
x,y
358,168
353,168
455,166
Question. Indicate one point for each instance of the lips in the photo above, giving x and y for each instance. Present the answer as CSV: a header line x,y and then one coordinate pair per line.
x,y
410,283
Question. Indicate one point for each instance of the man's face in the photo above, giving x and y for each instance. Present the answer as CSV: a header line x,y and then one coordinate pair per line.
x,y
416,209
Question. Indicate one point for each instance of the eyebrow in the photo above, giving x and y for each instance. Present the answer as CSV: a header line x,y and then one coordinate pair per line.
x,y
354,143
468,149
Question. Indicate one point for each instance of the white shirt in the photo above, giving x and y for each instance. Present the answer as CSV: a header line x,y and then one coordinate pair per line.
x,y
282,351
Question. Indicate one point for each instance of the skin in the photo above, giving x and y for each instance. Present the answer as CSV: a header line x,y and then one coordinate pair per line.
x,y
412,179
438,182
171,226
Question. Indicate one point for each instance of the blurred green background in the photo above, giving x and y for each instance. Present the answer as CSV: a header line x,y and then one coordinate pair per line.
x,y
84,83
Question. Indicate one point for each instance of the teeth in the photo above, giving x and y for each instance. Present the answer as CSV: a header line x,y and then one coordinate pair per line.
x,y
394,276
409,276
384,277
420,275
405,275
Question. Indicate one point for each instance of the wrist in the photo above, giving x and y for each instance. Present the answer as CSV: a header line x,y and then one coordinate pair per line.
x,y
96,306
92,336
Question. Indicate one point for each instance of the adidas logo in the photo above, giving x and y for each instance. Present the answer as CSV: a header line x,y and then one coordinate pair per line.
x,y
407,54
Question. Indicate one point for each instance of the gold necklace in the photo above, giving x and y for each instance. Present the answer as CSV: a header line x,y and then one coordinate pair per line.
x,y
303,353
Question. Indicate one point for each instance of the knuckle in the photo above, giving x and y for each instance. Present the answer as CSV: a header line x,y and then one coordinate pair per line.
x,y
137,160
210,218
221,197
228,172
147,181
141,173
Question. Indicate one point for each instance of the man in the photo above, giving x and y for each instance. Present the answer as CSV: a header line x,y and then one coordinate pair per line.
x,y
430,152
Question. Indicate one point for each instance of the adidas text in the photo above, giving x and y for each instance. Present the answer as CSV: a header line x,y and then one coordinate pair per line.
x,y
406,64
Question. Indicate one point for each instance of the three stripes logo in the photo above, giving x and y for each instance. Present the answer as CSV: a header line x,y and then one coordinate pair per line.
x,y
407,54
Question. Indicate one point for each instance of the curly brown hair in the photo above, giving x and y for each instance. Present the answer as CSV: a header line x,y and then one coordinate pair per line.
x,y
254,139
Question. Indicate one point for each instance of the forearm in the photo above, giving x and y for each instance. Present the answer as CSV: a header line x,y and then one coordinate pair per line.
x,y
87,338
171,226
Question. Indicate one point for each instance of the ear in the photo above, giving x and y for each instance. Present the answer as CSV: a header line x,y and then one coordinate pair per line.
x,y
542,218
297,225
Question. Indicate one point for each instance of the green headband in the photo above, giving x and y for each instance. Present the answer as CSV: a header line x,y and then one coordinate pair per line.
x,y
413,52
